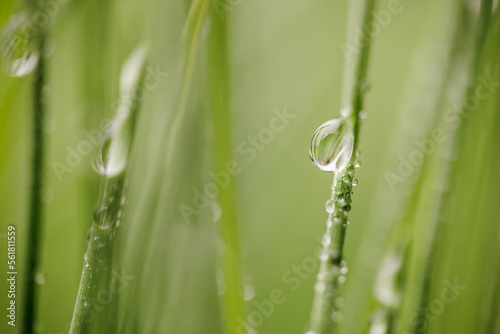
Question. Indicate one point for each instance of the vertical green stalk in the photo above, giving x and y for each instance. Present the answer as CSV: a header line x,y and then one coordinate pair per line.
x,y
219,79
393,271
34,230
113,166
450,168
324,312
191,40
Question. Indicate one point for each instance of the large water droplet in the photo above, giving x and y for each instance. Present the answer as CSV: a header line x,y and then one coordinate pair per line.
x,y
332,145
19,46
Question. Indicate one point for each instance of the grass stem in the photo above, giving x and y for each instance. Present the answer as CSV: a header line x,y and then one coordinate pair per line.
x,y
228,223
34,230
108,212
324,312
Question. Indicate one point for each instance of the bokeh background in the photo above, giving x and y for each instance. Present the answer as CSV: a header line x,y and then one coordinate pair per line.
x,y
284,55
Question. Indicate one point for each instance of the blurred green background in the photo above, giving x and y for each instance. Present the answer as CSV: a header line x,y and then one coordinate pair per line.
x,y
284,55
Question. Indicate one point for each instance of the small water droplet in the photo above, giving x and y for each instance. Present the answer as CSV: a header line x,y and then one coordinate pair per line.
x,y
39,278
355,182
332,145
326,239
19,45
343,267
363,114
319,287
346,111
99,213
337,316
341,279
216,211
357,163
249,292
330,205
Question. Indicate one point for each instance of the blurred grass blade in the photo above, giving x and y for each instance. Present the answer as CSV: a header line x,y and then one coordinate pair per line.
x,y
449,169
219,82
112,166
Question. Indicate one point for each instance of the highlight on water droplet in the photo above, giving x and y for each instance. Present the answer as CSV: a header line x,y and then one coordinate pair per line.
x,y
332,145
19,45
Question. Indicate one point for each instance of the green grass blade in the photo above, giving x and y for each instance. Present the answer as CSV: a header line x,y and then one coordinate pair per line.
x,y
113,166
219,81
330,270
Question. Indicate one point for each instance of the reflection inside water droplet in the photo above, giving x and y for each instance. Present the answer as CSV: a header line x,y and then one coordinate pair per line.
x,y
332,145
19,46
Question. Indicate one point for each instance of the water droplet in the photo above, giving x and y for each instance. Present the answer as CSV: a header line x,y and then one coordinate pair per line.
x,y
323,256
355,182
357,163
337,316
39,278
332,145
341,279
216,211
346,111
326,239
319,287
18,43
249,292
363,114
344,270
330,205
100,252
99,213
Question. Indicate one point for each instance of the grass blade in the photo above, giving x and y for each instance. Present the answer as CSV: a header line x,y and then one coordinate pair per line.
x,y
228,224
330,270
112,165
34,233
